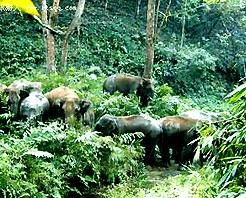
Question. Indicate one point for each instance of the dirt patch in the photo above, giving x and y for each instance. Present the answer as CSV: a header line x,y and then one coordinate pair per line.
x,y
156,174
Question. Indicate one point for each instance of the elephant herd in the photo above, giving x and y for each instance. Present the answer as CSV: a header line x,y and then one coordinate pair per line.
x,y
172,132
27,102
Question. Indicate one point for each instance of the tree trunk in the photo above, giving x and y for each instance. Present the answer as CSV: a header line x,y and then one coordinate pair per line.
x,y
138,8
157,14
150,39
44,19
106,5
49,35
183,25
51,66
48,38
75,22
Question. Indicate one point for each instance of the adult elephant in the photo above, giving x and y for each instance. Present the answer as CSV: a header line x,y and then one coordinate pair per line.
x,y
127,84
151,129
18,91
179,134
88,115
34,107
65,103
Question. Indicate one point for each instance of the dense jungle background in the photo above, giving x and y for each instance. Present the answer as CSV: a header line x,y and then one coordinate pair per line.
x,y
199,63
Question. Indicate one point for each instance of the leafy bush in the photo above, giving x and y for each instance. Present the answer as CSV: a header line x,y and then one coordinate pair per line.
x,y
188,70
51,161
21,45
226,145
165,104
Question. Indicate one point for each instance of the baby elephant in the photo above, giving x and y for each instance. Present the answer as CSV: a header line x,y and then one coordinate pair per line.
x,y
151,129
87,113
34,107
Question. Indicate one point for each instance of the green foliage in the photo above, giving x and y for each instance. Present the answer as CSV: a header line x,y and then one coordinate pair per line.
x,y
51,161
188,70
119,105
226,145
190,183
21,48
227,38
47,161
165,104
164,90
115,44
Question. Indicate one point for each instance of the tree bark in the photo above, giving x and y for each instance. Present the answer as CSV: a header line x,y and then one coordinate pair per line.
x,y
49,40
44,19
150,39
48,34
106,5
157,14
75,22
183,25
138,8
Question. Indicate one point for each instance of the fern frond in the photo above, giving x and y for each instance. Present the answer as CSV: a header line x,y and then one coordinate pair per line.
x,y
129,138
37,153
87,136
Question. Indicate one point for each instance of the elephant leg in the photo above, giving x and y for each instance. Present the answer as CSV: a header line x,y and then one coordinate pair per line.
x,y
150,144
175,156
178,157
164,150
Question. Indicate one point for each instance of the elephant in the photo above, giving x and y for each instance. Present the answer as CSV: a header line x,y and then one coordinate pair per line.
x,y
128,84
202,115
65,103
180,134
109,125
34,107
87,113
18,91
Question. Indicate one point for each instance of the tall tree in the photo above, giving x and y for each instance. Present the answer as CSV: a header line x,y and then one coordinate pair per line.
x,y
150,30
75,23
49,35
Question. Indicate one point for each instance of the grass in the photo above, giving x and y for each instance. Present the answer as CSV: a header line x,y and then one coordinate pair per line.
x,y
167,183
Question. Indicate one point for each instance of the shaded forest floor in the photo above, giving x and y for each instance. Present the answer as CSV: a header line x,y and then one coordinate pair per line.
x,y
163,183
160,176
